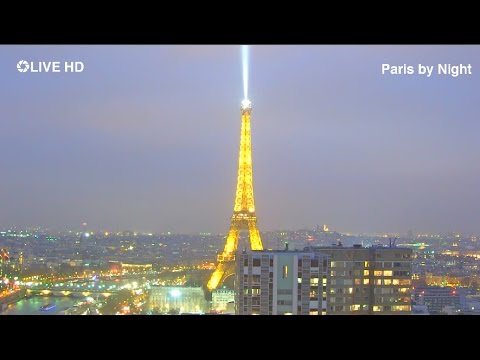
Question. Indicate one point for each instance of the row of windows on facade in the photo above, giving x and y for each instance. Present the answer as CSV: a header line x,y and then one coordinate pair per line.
x,y
256,302
379,255
367,264
257,292
356,290
313,262
376,308
314,295
256,277
347,282
314,281
310,311
376,300
370,272
342,308
377,282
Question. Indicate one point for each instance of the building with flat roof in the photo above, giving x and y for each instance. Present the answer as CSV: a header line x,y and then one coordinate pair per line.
x,y
281,283
332,280
437,298
373,280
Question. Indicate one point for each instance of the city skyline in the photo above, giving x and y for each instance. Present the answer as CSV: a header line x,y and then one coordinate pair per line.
x,y
147,137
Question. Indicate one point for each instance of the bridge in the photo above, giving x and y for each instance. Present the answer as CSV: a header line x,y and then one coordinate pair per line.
x,y
69,292
73,289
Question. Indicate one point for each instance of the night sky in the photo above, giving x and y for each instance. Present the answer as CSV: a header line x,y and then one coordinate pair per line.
x,y
146,138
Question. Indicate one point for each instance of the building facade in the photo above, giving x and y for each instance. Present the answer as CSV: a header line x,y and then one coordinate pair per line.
x,y
281,283
176,300
221,298
437,298
333,280
369,281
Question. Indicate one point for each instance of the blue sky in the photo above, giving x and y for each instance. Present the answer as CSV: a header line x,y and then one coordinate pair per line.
x,y
146,138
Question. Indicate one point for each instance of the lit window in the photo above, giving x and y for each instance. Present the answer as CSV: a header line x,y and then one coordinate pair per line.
x,y
378,273
324,282
324,313
245,291
255,292
387,281
378,282
332,264
366,281
354,307
377,308
388,273
405,282
299,280
358,281
365,307
396,282
285,271
333,273
366,264
400,307
403,290
315,312
314,281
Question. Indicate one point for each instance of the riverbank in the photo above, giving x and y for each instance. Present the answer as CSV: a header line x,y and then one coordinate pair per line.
x,y
12,298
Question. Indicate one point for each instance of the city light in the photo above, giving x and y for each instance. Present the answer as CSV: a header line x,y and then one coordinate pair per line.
x,y
246,104
175,293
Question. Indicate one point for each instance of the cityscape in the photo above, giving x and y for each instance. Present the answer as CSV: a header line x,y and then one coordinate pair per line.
x,y
246,269
90,272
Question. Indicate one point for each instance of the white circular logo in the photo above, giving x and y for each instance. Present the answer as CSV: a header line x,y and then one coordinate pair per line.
x,y
23,66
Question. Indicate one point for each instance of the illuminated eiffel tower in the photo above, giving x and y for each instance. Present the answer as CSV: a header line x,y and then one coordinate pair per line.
x,y
243,217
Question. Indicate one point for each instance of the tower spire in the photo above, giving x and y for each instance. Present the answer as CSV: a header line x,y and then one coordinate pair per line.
x,y
243,217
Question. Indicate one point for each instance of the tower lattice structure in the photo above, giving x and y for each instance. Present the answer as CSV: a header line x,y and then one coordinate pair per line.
x,y
244,217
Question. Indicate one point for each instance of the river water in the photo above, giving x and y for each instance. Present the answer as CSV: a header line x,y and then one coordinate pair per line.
x,y
32,305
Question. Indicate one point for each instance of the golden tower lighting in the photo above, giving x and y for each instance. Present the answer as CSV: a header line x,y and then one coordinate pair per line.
x,y
243,217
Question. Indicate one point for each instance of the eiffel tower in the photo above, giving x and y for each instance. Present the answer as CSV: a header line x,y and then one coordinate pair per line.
x,y
243,217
